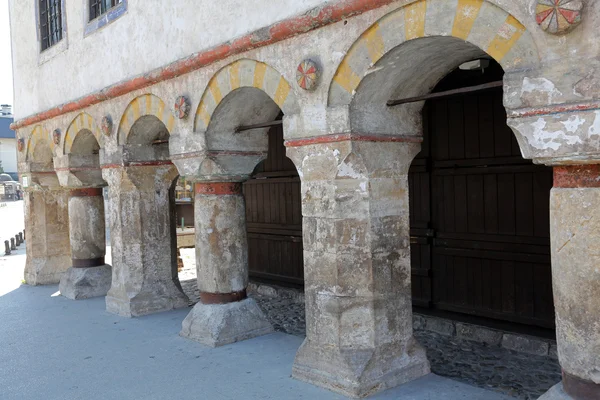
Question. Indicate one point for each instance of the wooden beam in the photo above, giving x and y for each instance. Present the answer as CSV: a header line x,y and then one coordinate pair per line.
x,y
447,93
256,126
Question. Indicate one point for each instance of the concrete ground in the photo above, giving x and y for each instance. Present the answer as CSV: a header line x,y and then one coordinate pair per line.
x,y
54,348
11,220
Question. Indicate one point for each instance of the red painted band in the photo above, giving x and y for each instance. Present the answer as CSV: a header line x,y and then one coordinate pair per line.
x,y
357,137
86,192
216,153
137,164
577,176
77,169
222,298
580,389
315,18
87,263
219,188
557,109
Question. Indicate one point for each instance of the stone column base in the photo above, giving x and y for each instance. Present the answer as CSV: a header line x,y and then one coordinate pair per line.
x,y
355,372
151,299
556,392
220,324
47,270
85,283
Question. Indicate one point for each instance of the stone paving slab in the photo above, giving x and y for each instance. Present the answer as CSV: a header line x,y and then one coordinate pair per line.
x,y
55,348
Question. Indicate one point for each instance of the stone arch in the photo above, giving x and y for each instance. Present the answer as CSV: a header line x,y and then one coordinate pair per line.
x,y
144,105
40,137
239,74
478,22
82,122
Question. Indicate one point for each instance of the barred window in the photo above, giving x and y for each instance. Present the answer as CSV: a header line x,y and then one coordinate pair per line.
x,y
99,7
50,22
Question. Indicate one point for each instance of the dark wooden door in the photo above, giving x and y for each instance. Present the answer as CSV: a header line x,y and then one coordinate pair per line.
x,y
274,217
421,224
486,247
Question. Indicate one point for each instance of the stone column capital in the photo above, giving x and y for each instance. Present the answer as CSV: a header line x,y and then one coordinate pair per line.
x,y
78,171
554,111
46,180
218,165
140,176
353,155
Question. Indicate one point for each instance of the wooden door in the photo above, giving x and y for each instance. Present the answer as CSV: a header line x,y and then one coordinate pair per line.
x,y
274,217
421,224
490,251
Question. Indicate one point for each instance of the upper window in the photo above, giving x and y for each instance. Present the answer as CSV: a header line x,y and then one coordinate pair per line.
x,y
103,12
99,7
51,29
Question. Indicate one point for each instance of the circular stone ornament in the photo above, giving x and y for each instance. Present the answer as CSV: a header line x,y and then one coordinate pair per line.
x,y
558,16
307,75
21,144
56,136
181,108
106,125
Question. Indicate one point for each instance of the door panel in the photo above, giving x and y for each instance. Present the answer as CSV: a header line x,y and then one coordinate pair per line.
x,y
274,217
481,213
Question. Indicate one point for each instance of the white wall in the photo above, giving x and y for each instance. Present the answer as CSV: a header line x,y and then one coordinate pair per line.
x,y
151,34
8,154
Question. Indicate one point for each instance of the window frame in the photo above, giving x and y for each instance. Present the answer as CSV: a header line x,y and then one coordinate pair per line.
x,y
113,13
93,4
62,30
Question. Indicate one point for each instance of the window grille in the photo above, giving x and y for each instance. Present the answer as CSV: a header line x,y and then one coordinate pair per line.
x,y
50,22
99,7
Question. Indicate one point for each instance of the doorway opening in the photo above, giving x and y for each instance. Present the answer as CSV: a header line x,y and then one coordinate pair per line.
x,y
479,212
274,217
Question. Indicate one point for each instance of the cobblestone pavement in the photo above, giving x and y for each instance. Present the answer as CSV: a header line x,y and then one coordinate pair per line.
x,y
519,375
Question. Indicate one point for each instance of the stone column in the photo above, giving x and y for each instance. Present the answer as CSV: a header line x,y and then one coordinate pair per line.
x,y
575,241
359,336
224,314
47,232
143,239
88,276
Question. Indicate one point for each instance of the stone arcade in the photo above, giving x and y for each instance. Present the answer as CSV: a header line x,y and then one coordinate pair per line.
x,y
352,153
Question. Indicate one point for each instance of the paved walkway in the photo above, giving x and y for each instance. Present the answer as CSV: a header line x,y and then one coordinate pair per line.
x,y
54,348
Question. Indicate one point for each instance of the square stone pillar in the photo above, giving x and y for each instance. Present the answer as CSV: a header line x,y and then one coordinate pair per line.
x,y
224,314
359,337
88,276
143,236
47,232
575,241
